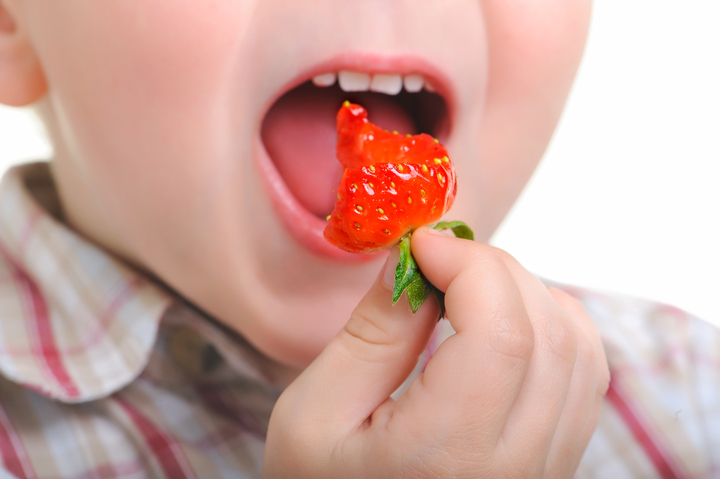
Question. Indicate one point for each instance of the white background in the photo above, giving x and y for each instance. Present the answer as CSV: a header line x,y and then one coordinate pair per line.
x,y
627,198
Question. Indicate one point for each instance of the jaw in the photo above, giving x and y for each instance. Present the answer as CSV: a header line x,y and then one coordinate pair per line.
x,y
296,158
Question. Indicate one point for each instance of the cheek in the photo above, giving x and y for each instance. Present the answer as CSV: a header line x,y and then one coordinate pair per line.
x,y
136,89
534,48
130,65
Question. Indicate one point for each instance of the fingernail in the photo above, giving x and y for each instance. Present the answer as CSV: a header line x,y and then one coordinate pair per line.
x,y
434,232
388,277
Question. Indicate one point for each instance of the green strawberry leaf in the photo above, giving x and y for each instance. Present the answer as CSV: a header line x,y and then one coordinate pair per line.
x,y
410,279
406,271
460,229
418,291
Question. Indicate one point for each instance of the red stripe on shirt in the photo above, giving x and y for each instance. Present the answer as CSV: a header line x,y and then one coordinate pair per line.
x,y
46,338
109,315
621,402
14,456
99,329
40,329
28,230
167,451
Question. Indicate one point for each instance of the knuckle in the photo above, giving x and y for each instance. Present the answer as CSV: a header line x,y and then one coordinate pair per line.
x,y
571,305
364,326
502,254
559,338
590,346
367,340
592,355
482,253
511,337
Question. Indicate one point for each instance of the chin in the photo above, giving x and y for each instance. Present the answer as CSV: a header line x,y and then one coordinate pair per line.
x,y
293,333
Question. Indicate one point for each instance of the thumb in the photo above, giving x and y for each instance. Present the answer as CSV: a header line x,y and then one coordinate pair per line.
x,y
368,360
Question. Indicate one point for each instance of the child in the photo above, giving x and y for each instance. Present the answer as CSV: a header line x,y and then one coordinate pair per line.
x,y
167,286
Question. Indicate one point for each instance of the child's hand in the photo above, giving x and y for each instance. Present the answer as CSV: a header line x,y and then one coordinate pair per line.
x,y
515,393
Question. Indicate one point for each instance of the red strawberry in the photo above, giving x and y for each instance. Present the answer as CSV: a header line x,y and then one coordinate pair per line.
x,y
392,184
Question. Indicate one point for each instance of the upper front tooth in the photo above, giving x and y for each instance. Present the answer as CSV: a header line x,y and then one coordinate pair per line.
x,y
326,79
353,81
413,83
387,83
429,87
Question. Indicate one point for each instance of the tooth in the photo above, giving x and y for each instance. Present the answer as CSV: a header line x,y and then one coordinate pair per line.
x,y
429,87
414,83
353,81
387,83
326,79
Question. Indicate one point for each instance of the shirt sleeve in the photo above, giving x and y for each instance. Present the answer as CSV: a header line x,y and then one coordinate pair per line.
x,y
661,416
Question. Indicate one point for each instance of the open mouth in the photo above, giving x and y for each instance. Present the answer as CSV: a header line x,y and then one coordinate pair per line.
x,y
299,134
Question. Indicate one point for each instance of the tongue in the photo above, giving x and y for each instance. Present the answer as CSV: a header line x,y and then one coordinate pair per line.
x,y
299,135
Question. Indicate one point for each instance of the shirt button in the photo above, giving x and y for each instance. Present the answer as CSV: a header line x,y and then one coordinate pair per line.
x,y
191,352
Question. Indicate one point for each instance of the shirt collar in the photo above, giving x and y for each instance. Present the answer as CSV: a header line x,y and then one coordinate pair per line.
x,y
77,324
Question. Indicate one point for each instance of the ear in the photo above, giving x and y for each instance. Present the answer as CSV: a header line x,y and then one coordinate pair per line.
x,y
22,80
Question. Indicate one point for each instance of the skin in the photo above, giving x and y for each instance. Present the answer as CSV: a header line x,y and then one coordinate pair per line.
x,y
155,118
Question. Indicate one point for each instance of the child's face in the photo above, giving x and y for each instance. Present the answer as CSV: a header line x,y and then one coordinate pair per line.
x,y
158,113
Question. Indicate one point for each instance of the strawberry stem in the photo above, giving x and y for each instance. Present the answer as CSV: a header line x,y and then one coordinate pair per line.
x,y
410,279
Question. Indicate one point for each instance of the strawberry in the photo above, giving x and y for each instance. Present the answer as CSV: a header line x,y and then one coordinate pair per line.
x,y
392,185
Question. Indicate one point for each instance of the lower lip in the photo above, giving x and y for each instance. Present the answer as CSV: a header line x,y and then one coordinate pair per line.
x,y
306,228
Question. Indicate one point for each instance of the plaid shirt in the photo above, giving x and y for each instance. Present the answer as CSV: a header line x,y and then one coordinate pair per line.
x,y
106,374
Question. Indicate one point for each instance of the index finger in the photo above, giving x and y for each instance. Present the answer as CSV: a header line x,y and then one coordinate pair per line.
x,y
479,370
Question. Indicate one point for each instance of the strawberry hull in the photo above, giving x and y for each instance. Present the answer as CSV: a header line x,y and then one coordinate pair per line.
x,y
391,185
